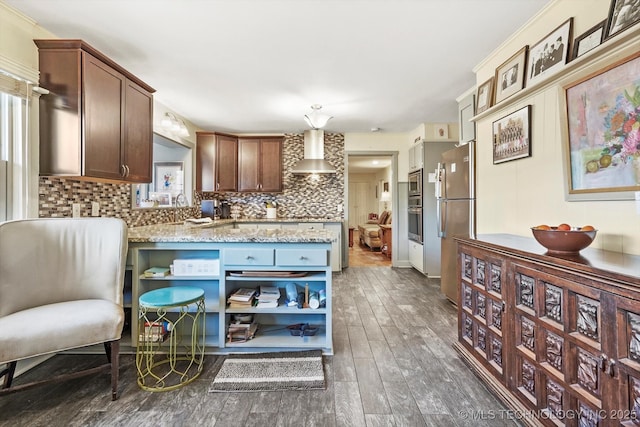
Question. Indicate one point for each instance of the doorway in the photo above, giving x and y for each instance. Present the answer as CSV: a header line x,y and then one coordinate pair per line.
x,y
370,184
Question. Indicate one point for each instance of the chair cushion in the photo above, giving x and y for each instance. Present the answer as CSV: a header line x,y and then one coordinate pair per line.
x,y
57,327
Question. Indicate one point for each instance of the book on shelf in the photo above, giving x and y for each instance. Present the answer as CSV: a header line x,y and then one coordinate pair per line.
x,y
242,294
155,332
240,304
267,304
157,272
269,293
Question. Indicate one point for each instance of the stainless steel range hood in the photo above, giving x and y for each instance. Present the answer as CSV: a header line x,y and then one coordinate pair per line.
x,y
313,161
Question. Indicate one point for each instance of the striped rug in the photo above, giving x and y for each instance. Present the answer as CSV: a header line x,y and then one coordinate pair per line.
x,y
301,370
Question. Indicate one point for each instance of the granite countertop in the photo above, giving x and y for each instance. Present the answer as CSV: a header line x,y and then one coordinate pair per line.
x,y
179,232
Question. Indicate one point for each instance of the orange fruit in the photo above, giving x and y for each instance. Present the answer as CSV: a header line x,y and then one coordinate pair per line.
x,y
542,227
587,228
563,227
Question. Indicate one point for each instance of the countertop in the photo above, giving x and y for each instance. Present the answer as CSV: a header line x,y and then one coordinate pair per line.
x,y
180,232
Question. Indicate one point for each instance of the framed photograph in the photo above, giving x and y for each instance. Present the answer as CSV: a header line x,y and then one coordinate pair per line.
x,y
509,77
588,40
441,131
168,177
603,129
512,136
550,54
484,97
163,199
622,15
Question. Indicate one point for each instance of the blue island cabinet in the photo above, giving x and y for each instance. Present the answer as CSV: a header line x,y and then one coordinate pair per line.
x,y
221,268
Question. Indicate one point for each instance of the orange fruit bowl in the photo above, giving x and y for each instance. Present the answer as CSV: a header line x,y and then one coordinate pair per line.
x,y
564,241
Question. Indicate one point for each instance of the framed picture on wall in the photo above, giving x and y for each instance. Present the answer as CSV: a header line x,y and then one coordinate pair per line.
x,y
168,177
441,131
622,15
512,136
603,130
484,97
588,40
509,78
550,54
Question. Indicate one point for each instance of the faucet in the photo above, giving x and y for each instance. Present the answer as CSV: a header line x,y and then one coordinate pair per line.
x,y
181,201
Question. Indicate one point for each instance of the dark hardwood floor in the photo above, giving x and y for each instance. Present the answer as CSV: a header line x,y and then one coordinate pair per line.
x,y
393,366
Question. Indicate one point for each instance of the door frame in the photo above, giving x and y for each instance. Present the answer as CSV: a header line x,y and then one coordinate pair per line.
x,y
394,201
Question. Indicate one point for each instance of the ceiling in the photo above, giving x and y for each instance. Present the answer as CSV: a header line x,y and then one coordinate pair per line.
x,y
368,164
258,65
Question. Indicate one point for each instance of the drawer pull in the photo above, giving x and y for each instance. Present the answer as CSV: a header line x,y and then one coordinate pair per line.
x,y
302,258
249,257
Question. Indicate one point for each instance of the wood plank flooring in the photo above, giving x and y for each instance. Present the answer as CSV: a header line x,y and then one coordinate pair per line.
x,y
393,366
362,256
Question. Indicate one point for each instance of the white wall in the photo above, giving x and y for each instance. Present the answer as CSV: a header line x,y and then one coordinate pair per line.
x,y
516,195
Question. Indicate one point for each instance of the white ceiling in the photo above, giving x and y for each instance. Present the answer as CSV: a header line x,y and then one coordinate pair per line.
x,y
368,164
258,65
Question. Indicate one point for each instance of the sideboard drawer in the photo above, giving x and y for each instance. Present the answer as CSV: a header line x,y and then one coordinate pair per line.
x,y
301,257
248,256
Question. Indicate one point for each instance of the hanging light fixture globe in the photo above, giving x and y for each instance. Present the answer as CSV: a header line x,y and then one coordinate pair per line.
x,y
316,119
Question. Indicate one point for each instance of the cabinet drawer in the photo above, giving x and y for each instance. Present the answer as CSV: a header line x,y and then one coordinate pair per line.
x,y
248,256
312,257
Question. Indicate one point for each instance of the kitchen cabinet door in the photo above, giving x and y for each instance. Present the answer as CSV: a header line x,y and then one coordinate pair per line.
x,y
226,163
249,170
216,162
103,89
271,165
138,135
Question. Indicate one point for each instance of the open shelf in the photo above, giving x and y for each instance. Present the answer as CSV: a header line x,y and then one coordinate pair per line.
x,y
279,336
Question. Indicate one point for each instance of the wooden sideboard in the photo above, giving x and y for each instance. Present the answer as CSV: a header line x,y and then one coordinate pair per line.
x,y
557,338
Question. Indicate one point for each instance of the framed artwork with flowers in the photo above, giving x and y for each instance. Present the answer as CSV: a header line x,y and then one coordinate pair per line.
x,y
603,124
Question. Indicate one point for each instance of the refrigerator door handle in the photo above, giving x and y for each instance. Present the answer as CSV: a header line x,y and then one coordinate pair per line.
x,y
439,205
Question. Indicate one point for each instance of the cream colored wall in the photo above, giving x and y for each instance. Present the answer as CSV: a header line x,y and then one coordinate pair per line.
x,y
513,196
381,141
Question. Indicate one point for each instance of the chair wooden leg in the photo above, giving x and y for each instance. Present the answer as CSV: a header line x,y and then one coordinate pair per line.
x,y
7,373
114,359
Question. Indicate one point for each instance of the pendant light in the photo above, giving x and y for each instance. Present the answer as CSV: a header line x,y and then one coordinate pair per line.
x,y
316,119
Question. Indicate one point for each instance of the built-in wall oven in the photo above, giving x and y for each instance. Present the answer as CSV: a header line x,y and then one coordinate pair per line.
x,y
415,184
415,218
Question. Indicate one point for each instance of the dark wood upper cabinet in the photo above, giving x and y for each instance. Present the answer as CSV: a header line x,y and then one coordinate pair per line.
x,y
216,162
260,165
97,121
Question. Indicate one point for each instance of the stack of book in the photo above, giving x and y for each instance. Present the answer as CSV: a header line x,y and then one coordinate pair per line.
x,y
268,297
241,298
157,272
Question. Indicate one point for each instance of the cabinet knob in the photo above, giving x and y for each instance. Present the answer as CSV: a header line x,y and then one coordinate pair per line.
x,y
610,366
249,257
302,258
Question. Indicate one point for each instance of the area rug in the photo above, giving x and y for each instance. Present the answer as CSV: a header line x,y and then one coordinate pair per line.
x,y
300,370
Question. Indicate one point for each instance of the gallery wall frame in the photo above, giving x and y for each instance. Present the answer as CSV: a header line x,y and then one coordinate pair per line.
x,y
588,40
602,149
484,96
622,15
509,77
512,136
549,55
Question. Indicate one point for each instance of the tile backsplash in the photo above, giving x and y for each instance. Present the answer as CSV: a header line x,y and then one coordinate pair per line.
x,y
302,196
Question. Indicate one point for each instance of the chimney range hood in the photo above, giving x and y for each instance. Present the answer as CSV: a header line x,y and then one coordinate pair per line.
x,y
313,161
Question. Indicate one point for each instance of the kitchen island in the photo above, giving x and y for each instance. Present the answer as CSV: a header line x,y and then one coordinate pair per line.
x,y
221,260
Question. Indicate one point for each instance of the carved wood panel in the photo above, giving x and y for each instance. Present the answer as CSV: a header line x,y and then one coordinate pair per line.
x,y
467,296
466,266
527,333
482,339
634,336
467,330
496,351
588,317
496,314
555,398
528,377
553,350
553,302
587,417
525,287
496,279
480,272
588,374
481,305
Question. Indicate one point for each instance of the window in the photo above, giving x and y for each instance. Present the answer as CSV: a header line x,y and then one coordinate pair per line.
x,y
14,156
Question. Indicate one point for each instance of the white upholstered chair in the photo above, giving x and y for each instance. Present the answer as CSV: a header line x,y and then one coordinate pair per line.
x,y
61,283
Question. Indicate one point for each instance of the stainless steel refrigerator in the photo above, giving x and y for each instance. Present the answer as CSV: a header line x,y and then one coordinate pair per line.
x,y
455,198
